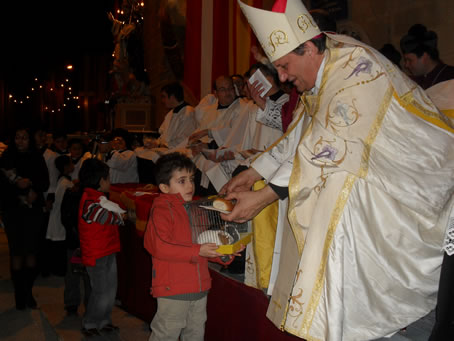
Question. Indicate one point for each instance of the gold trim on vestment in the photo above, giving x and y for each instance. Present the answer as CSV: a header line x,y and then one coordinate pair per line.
x,y
318,286
448,112
294,185
408,102
339,208
374,131
312,108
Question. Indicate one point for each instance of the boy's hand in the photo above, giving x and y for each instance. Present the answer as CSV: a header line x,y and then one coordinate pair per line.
x,y
209,250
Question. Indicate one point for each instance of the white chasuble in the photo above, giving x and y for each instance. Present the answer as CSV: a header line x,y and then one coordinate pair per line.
x,y
369,197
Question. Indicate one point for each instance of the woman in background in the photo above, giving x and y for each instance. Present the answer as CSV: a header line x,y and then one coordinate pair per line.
x,y
27,180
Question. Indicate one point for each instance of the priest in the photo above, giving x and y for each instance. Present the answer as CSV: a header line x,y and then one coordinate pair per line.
x,y
368,168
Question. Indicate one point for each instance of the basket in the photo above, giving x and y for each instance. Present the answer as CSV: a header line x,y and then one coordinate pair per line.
x,y
208,227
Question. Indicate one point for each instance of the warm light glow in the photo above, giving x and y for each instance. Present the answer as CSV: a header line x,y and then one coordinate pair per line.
x,y
69,89
33,89
27,97
10,96
58,109
46,108
142,4
78,107
36,79
62,85
64,104
67,80
53,110
121,12
68,98
118,11
40,86
21,102
51,89
69,67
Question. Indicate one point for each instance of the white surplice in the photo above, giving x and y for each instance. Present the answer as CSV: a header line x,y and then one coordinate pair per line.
x,y
177,127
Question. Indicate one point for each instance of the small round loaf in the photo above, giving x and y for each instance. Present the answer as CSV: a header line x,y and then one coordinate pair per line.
x,y
222,204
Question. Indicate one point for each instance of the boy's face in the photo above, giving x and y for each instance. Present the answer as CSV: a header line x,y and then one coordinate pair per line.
x,y
104,185
181,182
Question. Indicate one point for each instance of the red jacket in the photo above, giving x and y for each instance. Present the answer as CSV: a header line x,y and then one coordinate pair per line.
x,y
177,266
96,239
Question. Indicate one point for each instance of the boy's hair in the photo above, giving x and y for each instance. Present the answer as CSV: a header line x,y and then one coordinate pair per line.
x,y
167,164
174,89
91,173
61,162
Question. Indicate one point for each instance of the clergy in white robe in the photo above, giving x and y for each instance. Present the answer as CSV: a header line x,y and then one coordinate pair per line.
x,y
221,119
180,121
122,162
370,187
217,115
252,133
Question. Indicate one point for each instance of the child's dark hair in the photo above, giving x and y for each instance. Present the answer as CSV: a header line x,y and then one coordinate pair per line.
x,y
61,162
167,164
91,173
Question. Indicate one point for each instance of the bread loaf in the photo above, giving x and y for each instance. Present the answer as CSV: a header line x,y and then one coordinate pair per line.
x,y
222,204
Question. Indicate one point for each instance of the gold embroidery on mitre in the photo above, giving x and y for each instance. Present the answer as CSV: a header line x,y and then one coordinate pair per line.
x,y
304,21
277,37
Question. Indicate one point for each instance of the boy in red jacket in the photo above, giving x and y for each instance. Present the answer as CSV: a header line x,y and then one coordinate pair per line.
x,y
181,279
99,242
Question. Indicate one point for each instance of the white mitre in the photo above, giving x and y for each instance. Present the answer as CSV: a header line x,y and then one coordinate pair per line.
x,y
281,33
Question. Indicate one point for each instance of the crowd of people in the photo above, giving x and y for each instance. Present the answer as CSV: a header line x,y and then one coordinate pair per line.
x,y
357,155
